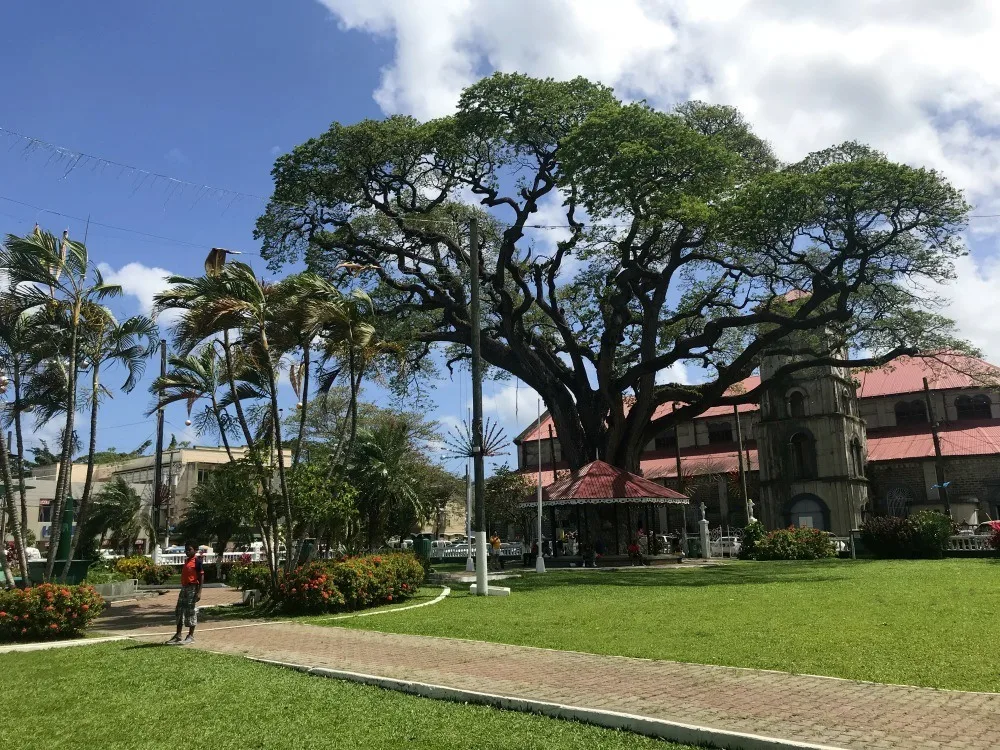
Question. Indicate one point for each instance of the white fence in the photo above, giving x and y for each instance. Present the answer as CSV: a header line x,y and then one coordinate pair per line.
x,y
461,551
969,543
210,558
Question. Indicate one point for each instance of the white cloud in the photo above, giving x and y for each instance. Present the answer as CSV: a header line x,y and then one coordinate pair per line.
x,y
914,77
275,150
176,156
513,404
676,373
141,282
973,303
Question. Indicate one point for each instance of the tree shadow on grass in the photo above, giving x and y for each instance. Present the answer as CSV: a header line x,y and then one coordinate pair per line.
x,y
723,575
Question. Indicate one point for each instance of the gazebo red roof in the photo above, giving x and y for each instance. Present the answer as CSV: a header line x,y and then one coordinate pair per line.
x,y
600,482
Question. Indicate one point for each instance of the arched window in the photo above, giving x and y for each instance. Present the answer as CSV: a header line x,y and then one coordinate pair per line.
x,y
857,458
898,501
720,432
974,407
807,511
796,404
910,413
801,457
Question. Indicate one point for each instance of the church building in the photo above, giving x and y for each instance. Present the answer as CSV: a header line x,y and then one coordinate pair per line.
x,y
827,446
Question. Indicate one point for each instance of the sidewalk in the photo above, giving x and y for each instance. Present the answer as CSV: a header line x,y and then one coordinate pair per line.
x,y
158,611
824,711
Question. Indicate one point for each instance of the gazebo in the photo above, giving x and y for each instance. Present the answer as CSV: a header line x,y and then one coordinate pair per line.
x,y
604,506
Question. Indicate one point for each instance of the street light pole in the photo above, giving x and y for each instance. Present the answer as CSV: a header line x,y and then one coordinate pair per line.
x,y
470,566
158,460
478,467
540,558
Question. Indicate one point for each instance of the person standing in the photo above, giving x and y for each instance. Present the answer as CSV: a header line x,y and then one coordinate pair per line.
x,y
186,612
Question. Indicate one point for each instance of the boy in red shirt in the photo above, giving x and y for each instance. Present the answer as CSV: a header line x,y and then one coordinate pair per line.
x,y
192,577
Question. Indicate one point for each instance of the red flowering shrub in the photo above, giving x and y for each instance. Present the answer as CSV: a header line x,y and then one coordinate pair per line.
x,y
351,583
309,588
48,610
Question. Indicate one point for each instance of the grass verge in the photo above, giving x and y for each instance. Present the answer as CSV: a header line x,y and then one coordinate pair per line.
x,y
919,622
119,696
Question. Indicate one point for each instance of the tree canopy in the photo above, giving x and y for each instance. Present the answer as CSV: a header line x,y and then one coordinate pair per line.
x,y
682,236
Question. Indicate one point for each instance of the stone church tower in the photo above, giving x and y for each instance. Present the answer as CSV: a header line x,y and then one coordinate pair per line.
x,y
812,449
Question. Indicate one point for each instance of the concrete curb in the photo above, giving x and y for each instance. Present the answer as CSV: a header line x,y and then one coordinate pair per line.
x,y
43,646
445,592
660,728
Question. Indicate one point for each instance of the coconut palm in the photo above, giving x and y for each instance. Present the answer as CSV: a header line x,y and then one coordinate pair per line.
x,y
194,377
38,263
232,298
16,345
105,341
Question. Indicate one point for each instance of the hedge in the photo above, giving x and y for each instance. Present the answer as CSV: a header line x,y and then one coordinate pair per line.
x,y
47,611
922,535
795,543
350,584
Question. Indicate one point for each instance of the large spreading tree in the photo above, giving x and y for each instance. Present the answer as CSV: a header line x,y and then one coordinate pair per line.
x,y
683,237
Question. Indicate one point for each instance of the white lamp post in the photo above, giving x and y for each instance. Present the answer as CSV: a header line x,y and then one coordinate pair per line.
x,y
540,557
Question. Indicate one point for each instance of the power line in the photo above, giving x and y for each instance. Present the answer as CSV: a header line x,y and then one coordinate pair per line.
x,y
148,235
76,159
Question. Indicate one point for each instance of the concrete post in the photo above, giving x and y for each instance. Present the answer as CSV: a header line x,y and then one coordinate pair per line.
x,y
706,551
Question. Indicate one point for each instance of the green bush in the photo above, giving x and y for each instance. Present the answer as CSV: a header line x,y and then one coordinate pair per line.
x,y
156,575
795,543
753,533
922,535
103,571
133,567
349,584
47,611
254,576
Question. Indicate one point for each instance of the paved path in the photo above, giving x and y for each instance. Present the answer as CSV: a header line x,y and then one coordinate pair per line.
x,y
156,611
819,710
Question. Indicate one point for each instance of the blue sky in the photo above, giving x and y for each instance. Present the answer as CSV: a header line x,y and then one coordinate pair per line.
x,y
210,92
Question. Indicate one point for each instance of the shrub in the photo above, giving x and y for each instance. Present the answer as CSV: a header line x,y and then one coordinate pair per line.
x,y
104,571
349,584
752,536
795,544
156,575
309,588
923,535
245,577
47,611
134,566
994,540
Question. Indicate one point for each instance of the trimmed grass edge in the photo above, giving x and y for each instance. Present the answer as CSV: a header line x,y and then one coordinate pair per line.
x,y
642,725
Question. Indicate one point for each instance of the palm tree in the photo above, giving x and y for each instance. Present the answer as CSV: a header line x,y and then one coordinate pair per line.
x,y
106,342
193,377
16,344
233,298
37,262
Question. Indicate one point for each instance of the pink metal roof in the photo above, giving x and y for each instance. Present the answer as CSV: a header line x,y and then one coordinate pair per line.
x,y
982,439
599,481
694,465
943,371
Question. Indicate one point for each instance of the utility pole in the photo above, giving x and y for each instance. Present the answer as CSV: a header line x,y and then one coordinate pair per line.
x,y
942,486
680,485
158,461
739,453
478,468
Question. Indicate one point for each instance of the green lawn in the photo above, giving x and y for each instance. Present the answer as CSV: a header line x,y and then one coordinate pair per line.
x,y
133,696
921,622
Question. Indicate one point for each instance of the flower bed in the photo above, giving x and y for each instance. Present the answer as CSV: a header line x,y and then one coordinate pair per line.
x,y
795,543
350,584
47,611
144,570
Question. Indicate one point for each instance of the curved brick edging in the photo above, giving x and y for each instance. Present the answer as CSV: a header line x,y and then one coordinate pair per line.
x,y
659,728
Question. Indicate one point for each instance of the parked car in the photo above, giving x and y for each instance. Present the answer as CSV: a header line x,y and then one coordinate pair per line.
x,y
725,545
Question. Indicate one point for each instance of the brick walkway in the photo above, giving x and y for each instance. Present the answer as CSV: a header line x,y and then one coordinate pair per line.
x,y
155,612
824,711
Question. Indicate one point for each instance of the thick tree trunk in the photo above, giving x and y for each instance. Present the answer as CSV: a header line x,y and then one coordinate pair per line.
x,y
81,511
